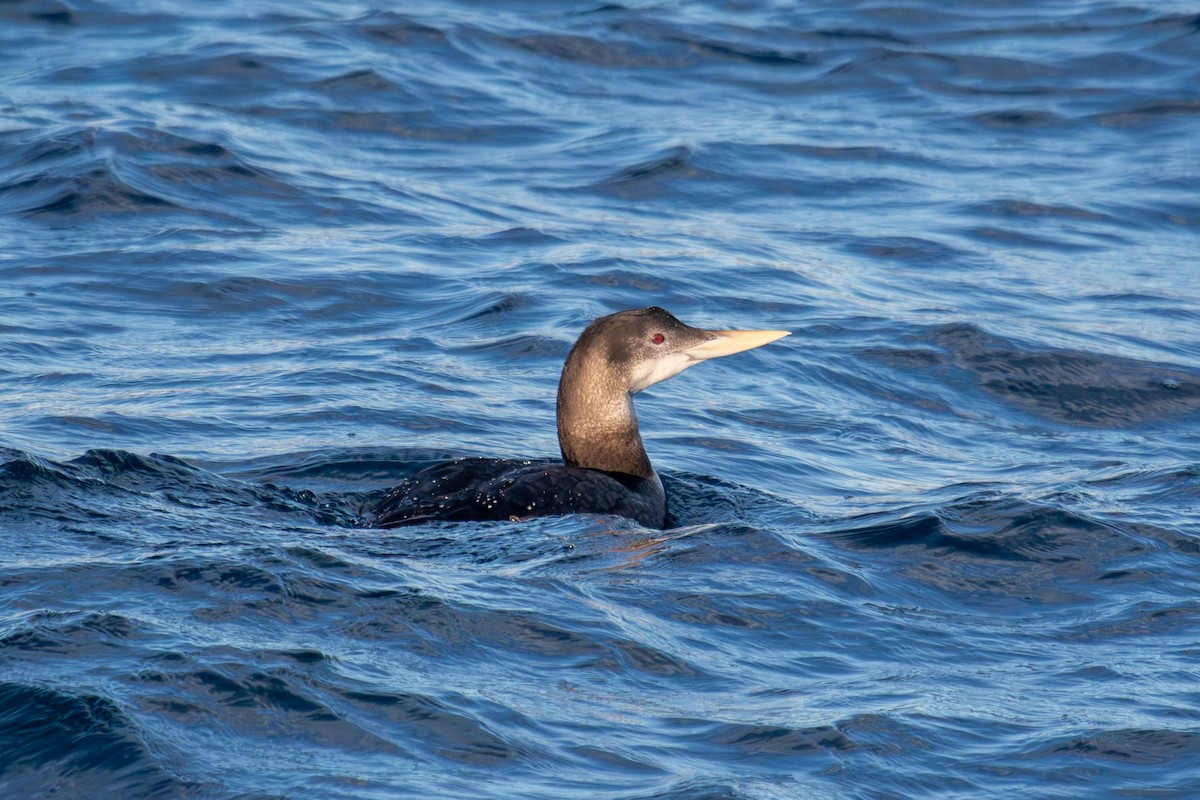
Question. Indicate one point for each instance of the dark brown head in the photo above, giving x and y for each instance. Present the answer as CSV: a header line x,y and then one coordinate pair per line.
x,y
648,345
616,357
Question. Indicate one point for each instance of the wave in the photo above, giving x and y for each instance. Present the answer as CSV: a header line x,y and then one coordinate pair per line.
x,y
155,177
104,484
81,744
1066,386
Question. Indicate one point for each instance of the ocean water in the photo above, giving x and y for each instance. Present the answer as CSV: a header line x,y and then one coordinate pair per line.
x,y
258,261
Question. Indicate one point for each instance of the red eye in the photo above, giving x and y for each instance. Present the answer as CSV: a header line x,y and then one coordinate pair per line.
x,y
658,338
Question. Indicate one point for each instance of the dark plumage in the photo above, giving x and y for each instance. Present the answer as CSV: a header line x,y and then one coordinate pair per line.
x,y
606,470
501,489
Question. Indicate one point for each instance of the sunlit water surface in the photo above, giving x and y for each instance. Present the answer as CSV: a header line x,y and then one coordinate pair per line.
x,y
259,261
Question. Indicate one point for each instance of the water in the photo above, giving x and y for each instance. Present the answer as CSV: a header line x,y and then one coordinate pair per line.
x,y
259,262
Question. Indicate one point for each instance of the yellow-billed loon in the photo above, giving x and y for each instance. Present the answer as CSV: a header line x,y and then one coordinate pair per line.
x,y
605,469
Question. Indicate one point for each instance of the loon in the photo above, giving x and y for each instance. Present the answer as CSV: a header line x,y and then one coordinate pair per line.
x,y
605,470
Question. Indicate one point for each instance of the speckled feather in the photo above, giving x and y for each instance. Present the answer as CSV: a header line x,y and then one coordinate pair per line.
x,y
505,489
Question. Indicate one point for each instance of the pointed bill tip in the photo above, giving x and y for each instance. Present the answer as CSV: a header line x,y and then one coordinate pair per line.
x,y
726,343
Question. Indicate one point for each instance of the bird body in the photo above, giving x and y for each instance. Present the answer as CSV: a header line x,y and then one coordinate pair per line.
x,y
508,489
605,468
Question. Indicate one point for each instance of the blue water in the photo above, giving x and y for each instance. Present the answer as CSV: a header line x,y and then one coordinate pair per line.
x,y
260,261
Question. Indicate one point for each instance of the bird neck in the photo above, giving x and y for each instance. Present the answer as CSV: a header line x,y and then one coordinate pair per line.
x,y
597,425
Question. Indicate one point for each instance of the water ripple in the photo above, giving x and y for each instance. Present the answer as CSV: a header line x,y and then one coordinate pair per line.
x,y
261,263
